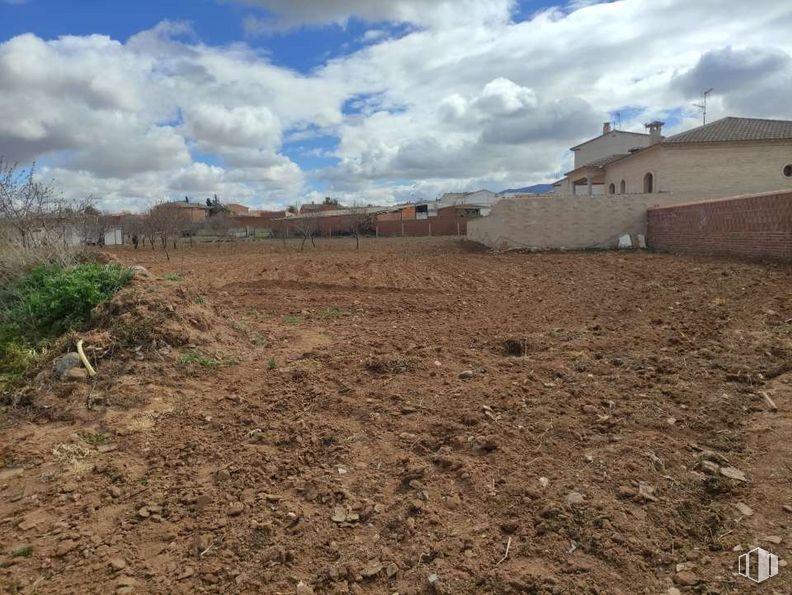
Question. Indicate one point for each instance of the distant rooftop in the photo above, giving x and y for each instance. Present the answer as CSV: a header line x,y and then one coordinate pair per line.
x,y
735,129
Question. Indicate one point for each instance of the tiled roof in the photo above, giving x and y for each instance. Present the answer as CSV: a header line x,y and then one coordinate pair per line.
x,y
602,162
735,129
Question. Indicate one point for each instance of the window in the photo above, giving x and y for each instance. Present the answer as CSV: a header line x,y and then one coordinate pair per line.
x,y
612,189
623,187
648,183
788,170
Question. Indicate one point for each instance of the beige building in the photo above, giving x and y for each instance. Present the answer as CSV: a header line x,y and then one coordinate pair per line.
x,y
726,157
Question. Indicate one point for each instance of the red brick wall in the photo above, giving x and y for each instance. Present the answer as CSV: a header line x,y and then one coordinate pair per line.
x,y
754,225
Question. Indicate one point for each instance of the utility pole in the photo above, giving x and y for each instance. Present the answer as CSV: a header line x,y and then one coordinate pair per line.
x,y
703,105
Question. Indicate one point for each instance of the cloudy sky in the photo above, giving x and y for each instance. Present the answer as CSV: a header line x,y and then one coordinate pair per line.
x,y
271,102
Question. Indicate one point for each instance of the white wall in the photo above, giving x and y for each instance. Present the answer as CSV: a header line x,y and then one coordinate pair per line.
x,y
616,142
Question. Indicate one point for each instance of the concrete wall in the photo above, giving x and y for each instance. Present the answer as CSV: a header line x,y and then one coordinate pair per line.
x,y
710,170
757,226
614,143
553,221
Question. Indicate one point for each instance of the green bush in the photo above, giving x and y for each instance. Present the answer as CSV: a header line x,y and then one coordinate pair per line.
x,y
51,300
47,302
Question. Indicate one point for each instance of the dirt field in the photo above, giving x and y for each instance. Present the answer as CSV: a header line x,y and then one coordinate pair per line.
x,y
418,416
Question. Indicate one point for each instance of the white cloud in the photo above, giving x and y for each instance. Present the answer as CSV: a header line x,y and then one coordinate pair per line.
x,y
463,98
287,14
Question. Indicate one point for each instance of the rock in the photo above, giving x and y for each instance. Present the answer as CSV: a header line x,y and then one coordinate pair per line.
x,y
626,492
544,482
339,514
709,467
673,591
744,509
786,508
117,563
235,509
126,581
75,375
686,578
114,491
203,501
574,498
186,573
391,570
433,579
143,513
733,473
772,539
304,589
646,492
466,374
372,569
64,547
64,363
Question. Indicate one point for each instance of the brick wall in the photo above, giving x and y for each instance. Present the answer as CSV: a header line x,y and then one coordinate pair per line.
x,y
572,222
754,225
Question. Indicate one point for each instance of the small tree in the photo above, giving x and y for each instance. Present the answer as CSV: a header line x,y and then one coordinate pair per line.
x,y
26,205
307,228
359,223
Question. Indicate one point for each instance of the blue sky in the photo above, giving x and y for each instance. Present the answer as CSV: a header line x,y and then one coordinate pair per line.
x,y
272,102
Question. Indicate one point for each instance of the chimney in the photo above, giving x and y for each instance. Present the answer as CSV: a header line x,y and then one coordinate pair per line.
x,y
655,128
606,128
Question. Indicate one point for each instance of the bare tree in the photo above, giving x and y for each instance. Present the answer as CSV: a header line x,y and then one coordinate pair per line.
x,y
307,228
26,205
166,222
359,223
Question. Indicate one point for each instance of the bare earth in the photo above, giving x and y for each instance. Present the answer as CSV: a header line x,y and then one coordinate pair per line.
x,y
418,416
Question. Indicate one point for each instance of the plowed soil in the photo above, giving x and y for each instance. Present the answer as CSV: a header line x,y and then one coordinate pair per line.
x,y
417,416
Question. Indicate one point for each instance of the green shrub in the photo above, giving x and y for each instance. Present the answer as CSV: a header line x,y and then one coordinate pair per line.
x,y
47,302
51,300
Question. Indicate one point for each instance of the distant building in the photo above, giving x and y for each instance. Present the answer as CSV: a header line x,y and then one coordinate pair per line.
x,y
726,157
194,212
237,210
479,197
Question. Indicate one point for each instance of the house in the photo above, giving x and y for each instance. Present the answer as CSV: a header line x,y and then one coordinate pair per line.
x,y
726,157
193,212
237,210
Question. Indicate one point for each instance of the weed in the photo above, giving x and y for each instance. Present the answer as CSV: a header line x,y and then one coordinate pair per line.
x,y
23,552
332,313
259,340
292,319
200,300
173,277
95,438
47,302
188,358
271,365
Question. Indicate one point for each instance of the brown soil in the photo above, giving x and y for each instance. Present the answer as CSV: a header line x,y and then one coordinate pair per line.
x,y
394,419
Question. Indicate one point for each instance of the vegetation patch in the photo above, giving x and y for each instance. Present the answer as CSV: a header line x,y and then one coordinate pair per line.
x,y
47,302
23,552
196,358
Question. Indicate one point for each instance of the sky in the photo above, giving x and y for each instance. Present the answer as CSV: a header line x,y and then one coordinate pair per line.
x,y
276,102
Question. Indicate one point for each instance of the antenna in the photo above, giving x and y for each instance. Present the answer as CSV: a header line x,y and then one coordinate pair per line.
x,y
703,105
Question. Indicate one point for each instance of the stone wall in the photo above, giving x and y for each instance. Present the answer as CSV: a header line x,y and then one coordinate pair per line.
x,y
570,222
